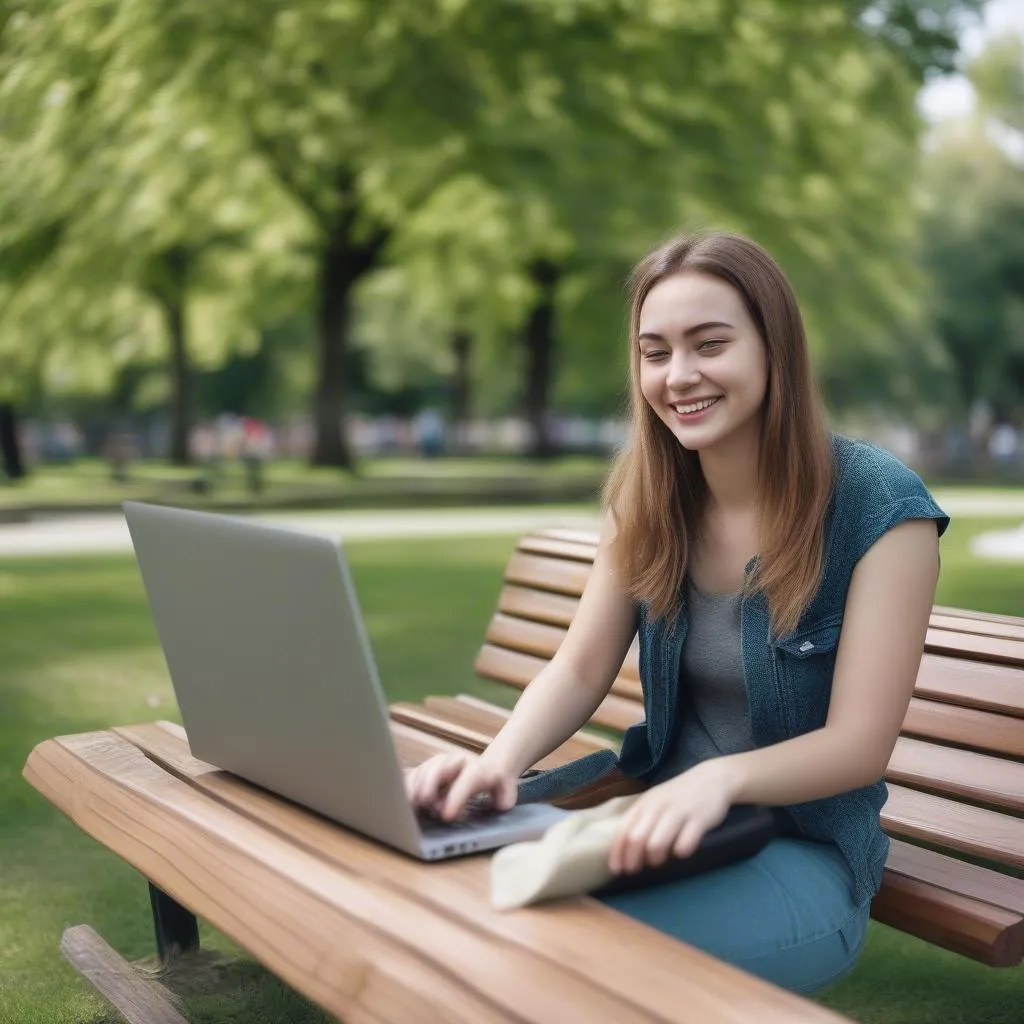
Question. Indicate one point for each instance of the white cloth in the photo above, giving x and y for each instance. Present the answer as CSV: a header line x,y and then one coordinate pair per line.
x,y
569,859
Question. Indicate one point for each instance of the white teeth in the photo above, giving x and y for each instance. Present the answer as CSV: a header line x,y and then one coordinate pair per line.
x,y
694,406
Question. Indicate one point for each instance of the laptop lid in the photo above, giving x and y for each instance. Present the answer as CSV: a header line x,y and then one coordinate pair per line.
x,y
271,665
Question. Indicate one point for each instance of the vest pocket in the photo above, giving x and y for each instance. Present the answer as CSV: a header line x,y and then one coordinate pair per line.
x,y
804,662
812,640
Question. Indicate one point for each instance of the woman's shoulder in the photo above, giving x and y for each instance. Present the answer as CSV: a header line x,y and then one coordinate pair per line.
x,y
865,471
875,491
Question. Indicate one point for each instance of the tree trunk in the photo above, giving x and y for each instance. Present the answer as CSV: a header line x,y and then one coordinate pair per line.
x,y
343,263
539,339
169,285
462,344
10,446
331,447
181,419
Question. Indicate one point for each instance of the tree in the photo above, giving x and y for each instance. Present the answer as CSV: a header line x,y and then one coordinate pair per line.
x,y
973,245
126,222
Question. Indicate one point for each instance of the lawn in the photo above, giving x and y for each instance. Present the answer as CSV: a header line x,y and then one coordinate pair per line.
x,y
78,651
87,481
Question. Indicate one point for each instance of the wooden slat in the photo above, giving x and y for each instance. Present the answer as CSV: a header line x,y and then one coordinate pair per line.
x,y
537,605
139,999
590,538
976,831
958,624
971,684
980,730
968,927
956,875
475,726
471,710
543,641
414,746
968,613
996,650
518,670
958,773
605,963
558,548
547,574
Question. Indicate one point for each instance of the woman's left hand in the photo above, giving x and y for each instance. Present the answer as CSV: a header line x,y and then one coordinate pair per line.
x,y
670,819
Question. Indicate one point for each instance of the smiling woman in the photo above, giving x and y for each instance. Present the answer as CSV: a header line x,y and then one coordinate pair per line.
x,y
761,563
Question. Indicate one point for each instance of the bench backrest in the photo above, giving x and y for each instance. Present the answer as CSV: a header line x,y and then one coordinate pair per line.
x,y
956,777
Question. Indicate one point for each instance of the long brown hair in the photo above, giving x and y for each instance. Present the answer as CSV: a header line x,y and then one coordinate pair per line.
x,y
656,490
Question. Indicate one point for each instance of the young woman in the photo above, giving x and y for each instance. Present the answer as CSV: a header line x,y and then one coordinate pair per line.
x,y
780,579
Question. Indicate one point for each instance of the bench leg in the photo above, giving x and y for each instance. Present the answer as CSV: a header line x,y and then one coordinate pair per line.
x,y
177,930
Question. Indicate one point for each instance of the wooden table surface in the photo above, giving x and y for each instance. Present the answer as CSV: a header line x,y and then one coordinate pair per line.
x,y
370,934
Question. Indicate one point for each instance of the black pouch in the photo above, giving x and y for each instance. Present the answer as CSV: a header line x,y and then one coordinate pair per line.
x,y
746,830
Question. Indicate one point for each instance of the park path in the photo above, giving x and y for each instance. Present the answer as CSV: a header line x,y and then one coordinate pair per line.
x,y
107,533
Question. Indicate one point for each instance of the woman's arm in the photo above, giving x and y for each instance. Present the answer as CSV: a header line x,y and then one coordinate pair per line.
x,y
568,690
884,625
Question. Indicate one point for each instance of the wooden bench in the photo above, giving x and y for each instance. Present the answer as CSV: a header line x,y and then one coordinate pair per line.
x,y
956,778
371,935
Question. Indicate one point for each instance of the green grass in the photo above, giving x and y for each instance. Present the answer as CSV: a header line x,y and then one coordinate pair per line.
x,y
88,481
78,651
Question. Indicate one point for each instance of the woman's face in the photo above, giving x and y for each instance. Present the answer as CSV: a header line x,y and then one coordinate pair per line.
x,y
703,364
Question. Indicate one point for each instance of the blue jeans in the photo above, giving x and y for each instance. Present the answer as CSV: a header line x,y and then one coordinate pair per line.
x,y
785,914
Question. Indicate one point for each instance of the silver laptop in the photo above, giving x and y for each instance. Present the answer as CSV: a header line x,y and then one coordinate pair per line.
x,y
275,679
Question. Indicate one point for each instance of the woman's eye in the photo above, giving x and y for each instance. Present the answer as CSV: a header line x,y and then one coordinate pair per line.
x,y
653,356
710,344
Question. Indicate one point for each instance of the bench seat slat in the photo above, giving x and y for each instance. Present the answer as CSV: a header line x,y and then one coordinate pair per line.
x,y
473,728
543,641
518,670
976,831
557,548
980,730
971,684
537,605
546,573
414,746
959,624
958,773
994,618
960,876
998,650
948,919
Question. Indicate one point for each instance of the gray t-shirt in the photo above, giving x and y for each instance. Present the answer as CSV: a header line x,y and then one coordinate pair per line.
x,y
713,710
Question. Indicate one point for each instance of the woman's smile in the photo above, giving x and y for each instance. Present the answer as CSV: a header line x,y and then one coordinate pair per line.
x,y
695,409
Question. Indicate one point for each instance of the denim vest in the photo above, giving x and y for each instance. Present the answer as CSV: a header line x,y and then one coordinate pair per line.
x,y
788,680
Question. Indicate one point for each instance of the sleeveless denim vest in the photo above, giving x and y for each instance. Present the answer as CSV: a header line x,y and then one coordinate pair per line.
x,y
789,679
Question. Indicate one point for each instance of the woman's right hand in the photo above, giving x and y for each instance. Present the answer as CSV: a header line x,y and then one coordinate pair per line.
x,y
446,782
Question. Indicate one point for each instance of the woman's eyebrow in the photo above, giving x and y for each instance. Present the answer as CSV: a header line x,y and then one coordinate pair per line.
x,y
696,329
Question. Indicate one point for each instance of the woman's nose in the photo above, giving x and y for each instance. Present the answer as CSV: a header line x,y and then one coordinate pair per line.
x,y
683,371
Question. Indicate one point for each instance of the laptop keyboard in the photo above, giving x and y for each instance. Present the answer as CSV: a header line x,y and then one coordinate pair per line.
x,y
478,813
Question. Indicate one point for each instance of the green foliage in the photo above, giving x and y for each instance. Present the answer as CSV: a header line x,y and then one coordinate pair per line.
x,y
277,153
973,241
